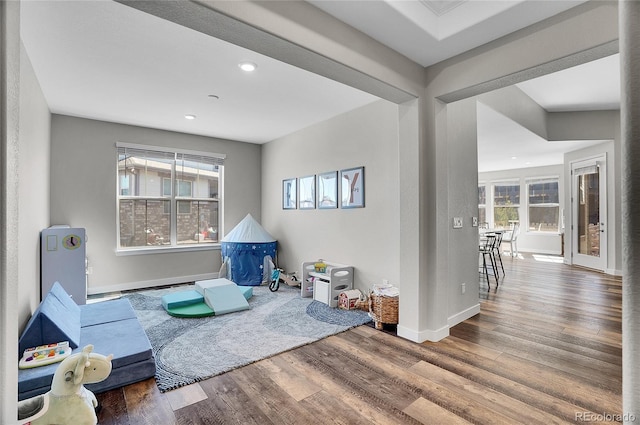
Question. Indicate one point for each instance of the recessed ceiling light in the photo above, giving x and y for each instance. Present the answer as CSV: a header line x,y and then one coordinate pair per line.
x,y
514,157
190,117
248,66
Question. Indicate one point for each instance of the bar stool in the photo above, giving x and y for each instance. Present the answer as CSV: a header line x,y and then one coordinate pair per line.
x,y
497,255
486,249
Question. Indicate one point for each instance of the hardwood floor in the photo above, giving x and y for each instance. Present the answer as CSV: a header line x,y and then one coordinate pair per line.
x,y
545,349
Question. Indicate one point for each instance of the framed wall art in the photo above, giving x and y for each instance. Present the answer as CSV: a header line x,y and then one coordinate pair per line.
x,y
289,194
327,190
307,192
352,188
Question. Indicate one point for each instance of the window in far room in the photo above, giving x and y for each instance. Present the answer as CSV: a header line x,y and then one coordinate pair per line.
x,y
544,205
506,201
167,198
482,205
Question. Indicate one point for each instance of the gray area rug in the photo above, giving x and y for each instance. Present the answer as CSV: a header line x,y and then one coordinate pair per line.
x,y
190,350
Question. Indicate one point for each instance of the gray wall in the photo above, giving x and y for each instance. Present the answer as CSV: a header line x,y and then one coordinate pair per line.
x,y
33,204
366,238
83,194
459,266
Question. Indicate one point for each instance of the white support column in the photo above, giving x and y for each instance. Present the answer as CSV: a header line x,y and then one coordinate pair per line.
x,y
629,17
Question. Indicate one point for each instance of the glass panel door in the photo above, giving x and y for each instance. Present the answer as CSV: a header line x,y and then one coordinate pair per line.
x,y
589,214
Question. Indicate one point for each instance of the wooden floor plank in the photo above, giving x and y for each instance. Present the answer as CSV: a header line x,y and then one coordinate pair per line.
x,y
430,413
293,383
472,347
361,376
230,403
570,345
343,414
587,368
278,405
146,405
516,410
373,413
185,396
112,408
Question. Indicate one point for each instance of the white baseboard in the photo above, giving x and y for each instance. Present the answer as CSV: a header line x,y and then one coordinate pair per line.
x,y
463,315
435,335
613,272
422,336
539,251
94,290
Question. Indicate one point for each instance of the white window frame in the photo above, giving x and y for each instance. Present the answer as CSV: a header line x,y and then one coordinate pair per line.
x,y
507,182
483,206
534,180
216,158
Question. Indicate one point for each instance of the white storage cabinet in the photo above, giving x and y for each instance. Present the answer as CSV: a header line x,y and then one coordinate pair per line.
x,y
325,287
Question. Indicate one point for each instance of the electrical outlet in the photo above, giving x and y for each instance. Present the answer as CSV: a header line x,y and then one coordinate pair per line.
x,y
474,221
457,222
463,288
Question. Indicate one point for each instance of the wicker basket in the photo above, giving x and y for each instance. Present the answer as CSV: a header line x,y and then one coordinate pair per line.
x,y
363,304
383,309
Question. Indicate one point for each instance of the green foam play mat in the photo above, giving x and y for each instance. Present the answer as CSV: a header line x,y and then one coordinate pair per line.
x,y
193,310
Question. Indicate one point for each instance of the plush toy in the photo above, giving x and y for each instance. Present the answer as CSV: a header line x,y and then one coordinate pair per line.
x,y
69,402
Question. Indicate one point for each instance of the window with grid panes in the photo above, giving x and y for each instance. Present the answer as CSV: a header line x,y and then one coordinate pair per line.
x,y
482,205
506,202
544,205
167,198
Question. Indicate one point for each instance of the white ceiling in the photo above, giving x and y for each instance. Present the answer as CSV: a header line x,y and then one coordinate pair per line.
x,y
107,61
430,31
590,87
503,144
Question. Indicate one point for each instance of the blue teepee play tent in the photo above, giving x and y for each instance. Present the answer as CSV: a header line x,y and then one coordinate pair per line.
x,y
244,251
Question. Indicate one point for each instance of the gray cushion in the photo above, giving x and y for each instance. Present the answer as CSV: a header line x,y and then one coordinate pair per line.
x,y
106,311
56,319
125,339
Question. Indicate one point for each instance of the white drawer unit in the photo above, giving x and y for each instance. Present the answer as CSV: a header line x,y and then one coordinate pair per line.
x,y
326,286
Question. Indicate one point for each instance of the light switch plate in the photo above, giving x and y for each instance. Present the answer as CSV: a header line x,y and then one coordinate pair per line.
x,y
474,221
457,222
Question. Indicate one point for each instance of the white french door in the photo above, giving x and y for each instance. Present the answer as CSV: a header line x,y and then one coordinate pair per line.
x,y
589,213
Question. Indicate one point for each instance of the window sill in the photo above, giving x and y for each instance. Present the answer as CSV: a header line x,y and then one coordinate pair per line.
x,y
166,250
